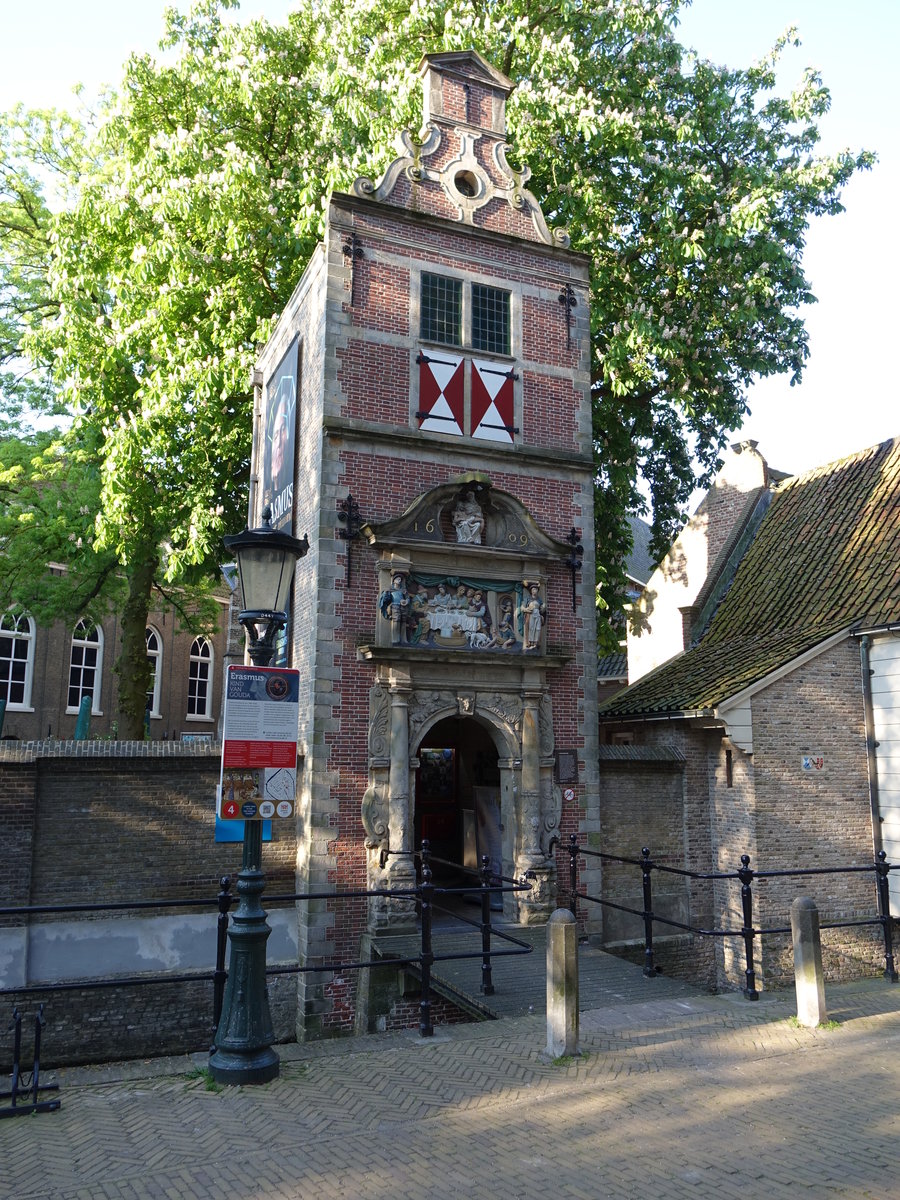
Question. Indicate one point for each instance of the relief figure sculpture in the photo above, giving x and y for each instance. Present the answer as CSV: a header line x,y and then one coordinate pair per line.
x,y
394,606
534,613
468,520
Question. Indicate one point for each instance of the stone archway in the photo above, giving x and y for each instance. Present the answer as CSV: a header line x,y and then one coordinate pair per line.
x,y
519,726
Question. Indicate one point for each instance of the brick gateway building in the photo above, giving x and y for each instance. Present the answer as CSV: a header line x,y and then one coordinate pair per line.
x,y
429,382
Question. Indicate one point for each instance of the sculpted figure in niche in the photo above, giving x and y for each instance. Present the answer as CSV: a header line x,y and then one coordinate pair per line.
x,y
394,605
534,614
505,636
468,520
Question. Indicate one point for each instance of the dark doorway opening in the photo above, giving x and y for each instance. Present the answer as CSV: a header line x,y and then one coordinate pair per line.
x,y
458,798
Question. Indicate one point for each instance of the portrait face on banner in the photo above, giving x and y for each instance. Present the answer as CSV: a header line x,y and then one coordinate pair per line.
x,y
280,431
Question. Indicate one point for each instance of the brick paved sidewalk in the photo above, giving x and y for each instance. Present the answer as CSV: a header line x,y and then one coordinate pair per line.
x,y
674,1097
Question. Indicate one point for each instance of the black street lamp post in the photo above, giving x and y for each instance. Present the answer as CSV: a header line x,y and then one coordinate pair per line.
x,y
243,1052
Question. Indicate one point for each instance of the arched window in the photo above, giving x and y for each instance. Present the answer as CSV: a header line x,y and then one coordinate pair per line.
x,y
154,658
200,679
16,659
86,665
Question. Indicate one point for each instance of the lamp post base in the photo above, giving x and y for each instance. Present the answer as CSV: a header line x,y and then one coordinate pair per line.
x,y
243,1044
259,1066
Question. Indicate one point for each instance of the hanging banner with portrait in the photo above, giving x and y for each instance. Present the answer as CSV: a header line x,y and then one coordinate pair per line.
x,y
279,440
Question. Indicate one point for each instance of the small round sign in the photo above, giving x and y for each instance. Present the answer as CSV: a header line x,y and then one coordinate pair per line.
x,y
285,808
277,687
248,809
229,809
569,795
267,809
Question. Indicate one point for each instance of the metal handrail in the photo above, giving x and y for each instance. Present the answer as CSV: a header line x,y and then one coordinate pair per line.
x,y
745,875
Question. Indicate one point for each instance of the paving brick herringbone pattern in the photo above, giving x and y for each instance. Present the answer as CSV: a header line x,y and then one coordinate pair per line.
x,y
673,1096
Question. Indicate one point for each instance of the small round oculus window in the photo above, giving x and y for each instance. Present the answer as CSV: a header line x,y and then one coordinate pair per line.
x,y
465,183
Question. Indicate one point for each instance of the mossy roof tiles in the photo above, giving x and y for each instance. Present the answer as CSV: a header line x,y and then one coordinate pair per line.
x,y
826,556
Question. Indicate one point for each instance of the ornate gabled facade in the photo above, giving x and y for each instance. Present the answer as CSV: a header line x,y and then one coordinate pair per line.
x,y
437,354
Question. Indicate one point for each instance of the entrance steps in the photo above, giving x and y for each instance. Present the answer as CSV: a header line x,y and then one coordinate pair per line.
x,y
520,980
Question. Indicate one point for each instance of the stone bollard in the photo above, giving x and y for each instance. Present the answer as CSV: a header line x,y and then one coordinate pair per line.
x,y
562,984
808,976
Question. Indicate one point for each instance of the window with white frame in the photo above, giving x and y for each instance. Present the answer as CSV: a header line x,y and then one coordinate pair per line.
x,y
200,679
154,660
85,665
16,659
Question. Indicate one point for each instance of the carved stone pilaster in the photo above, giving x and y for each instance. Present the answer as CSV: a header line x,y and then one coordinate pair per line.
x,y
530,793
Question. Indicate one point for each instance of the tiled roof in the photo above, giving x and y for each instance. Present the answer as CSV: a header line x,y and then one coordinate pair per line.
x,y
612,666
826,556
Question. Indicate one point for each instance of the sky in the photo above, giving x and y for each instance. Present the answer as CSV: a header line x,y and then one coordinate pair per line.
x,y
848,399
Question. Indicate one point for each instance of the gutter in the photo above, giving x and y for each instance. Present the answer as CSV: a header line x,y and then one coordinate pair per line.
x,y
865,643
692,714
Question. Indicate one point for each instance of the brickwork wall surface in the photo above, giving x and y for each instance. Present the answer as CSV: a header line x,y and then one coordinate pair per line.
x,y
149,1020
817,818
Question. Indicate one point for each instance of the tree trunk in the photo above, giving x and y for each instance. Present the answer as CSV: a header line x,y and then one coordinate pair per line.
x,y
132,666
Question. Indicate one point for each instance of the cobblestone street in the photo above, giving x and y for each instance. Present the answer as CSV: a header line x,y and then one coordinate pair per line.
x,y
681,1096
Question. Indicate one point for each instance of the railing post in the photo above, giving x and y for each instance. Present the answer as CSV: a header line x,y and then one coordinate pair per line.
x,y
882,869
426,1029
487,983
220,974
39,1023
17,1055
573,874
745,874
646,870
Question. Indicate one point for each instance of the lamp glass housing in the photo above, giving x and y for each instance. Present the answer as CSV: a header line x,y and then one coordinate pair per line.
x,y
266,575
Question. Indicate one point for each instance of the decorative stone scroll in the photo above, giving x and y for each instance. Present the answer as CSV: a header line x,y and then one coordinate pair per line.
x,y
463,179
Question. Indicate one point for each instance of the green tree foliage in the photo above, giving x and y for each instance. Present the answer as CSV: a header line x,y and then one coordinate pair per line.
x,y
194,197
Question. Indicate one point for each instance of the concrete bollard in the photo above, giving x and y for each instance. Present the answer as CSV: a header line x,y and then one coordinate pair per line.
x,y
809,979
562,984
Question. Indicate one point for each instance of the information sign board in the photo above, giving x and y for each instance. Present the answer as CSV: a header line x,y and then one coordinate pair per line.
x,y
259,744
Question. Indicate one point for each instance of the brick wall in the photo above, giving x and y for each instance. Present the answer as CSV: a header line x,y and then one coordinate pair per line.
x,y
766,806
106,822
819,818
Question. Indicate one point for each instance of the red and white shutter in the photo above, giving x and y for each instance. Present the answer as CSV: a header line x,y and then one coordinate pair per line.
x,y
441,393
492,402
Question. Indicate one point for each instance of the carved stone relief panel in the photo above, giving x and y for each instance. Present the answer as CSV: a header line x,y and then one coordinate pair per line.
x,y
379,723
425,704
463,612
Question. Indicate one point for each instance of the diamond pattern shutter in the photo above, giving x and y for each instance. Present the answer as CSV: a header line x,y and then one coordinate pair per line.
x,y
492,402
441,393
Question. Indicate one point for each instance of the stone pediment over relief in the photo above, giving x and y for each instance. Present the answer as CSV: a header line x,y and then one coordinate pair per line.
x,y
469,512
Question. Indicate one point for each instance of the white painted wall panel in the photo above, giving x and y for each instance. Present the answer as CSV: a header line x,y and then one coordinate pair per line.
x,y
885,661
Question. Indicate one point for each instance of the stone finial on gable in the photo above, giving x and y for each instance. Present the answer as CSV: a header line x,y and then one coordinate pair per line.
x,y
458,169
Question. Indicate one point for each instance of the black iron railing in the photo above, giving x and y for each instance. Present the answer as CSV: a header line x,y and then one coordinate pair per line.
x,y
745,875
25,1086
425,894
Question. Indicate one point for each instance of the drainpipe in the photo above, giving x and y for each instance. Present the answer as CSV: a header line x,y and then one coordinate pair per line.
x,y
871,745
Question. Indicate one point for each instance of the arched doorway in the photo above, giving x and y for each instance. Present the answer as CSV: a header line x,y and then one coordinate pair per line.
x,y
457,798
